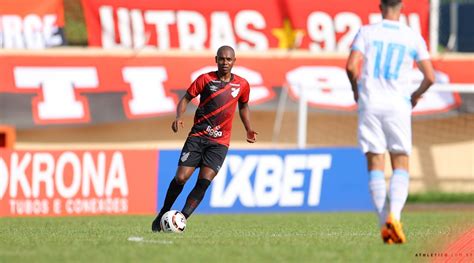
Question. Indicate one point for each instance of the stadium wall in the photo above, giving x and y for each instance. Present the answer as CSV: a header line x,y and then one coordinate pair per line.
x,y
82,182
443,156
442,159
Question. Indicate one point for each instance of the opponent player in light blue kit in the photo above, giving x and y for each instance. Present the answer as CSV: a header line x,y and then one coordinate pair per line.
x,y
387,51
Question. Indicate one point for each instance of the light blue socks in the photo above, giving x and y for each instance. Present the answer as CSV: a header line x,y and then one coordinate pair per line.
x,y
378,190
398,192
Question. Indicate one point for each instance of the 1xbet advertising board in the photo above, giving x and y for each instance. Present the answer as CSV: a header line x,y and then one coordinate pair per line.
x,y
333,179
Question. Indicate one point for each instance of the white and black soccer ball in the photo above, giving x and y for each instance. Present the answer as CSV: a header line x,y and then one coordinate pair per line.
x,y
173,221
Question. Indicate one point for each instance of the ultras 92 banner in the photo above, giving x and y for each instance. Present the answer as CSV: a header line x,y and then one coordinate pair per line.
x,y
184,24
327,26
30,24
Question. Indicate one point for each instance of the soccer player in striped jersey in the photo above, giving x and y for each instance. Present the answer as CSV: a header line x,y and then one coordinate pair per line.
x,y
387,51
207,144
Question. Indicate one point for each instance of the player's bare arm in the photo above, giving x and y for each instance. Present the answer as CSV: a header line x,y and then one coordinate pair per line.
x,y
180,110
244,113
426,68
353,71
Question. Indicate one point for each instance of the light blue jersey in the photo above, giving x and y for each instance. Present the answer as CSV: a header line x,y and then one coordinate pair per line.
x,y
390,49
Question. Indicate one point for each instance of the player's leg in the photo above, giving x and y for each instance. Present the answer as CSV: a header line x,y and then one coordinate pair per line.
x,y
196,195
212,160
398,127
399,183
190,158
377,185
373,144
174,189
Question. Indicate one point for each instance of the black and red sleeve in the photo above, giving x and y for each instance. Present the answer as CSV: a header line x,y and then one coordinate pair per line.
x,y
196,87
245,94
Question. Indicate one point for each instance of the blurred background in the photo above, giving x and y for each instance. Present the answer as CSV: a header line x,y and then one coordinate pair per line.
x,y
103,75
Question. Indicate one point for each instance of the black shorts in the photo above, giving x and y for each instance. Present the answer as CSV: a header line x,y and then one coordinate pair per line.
x,y
199,152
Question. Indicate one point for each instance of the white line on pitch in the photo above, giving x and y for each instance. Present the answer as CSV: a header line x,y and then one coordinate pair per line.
x,y
142,240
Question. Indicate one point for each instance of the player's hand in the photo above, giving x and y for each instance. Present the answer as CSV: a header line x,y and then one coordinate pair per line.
x,y
356,97
251,136
178,123
414,100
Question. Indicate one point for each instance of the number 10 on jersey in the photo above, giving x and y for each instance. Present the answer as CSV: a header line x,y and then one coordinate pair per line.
x,y
393,55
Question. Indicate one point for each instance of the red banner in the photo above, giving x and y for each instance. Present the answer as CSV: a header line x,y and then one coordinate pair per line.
x,y
31,24
184,24
65,89
243,24
332,25
52,183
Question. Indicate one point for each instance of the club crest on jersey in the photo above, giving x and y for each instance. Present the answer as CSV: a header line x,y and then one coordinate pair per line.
x,y
234,92
184,157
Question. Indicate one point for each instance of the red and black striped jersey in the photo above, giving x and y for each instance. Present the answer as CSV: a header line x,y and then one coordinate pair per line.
x,y
218,99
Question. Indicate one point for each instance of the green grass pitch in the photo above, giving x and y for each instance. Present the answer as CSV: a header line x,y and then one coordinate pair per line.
x,y
294,237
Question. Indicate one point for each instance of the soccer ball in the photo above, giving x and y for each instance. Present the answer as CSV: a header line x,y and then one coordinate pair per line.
x,y
173,221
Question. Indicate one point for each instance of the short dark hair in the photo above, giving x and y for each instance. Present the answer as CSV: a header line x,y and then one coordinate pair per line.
x,y
390,2
222,48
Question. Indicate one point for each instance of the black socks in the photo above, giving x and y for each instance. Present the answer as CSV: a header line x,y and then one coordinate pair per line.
x,y
173,192
195,197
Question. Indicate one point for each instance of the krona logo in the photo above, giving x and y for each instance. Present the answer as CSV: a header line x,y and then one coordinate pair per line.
x,y
41,172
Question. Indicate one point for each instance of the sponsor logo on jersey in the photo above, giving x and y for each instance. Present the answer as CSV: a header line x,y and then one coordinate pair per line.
x,y
214,132
213,88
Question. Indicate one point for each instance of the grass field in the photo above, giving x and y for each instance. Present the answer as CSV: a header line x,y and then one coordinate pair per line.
x,y
299,237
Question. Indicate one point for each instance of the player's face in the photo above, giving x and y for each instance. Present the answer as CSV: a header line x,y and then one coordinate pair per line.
x,y
225,61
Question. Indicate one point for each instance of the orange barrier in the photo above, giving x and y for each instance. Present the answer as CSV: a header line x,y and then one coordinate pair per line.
x,y
7,136
75,183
